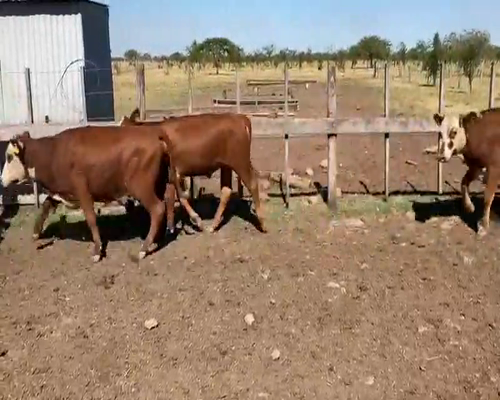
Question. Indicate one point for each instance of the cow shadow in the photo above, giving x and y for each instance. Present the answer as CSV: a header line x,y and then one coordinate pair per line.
x,y
425,210
206,205
8,212
122,227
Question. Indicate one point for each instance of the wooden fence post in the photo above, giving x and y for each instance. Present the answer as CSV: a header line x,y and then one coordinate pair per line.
x,y
238,110
192,181
84,95
31,120
491,98
331,110
287,180
440,110
140,87
386,135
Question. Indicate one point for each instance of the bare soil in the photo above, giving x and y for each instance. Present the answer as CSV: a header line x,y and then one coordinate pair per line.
x,y
402,307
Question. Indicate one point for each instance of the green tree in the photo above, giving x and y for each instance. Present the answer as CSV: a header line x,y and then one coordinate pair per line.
x,y
217,50
131,55
374,48
473,47
433,59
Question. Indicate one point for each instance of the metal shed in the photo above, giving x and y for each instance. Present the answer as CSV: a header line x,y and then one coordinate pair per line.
x,y
61,49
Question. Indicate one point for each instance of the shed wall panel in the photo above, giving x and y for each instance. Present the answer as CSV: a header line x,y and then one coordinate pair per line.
x,y
52,47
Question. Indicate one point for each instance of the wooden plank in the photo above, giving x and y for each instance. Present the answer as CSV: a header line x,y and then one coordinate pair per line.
x,y
276,82
192,180
331,110
440,111
190,90
84,95
257,101
238,110
140,87
29,96
491,95
31,120
386,134
287,142
302,127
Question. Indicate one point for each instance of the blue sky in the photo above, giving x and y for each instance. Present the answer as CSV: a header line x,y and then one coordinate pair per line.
x,y
165,26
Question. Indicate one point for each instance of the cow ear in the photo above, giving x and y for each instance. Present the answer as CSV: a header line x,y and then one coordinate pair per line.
x,y
25,135
438,118
15,146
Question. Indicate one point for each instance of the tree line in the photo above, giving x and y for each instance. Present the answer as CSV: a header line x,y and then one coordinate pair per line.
x,y
465,52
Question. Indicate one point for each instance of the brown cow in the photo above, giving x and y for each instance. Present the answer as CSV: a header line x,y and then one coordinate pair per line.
x,y
476,136
203,143
95,163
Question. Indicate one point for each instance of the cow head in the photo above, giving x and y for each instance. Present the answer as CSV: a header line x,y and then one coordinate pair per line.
x,y
452,134
14,168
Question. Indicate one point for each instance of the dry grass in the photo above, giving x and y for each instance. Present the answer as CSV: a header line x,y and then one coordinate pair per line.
x,y
169,88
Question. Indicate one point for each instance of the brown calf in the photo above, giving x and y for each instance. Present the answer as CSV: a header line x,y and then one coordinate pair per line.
x,y
204,143
476,136
95,163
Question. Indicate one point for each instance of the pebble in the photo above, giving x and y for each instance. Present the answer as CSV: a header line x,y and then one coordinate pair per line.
x,y
275,355
249,319
150,323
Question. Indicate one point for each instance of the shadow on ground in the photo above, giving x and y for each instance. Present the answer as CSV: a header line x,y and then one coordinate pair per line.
x,y
8,212
135,223
425,210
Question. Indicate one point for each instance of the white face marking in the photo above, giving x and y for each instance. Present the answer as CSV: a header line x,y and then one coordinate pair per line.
x,y
13,170
453,138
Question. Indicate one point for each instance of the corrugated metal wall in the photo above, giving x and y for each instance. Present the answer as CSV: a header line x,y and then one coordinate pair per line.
x,y
47,44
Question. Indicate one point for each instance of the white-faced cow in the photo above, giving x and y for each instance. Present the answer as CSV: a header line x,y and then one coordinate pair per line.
x,y
476,136
80,166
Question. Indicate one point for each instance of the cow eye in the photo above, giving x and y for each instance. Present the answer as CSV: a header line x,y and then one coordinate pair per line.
x,y
453,133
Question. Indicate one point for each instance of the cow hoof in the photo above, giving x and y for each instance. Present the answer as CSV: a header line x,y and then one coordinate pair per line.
x,y
96,258
142,255
170,231
36,236
481,231
212,229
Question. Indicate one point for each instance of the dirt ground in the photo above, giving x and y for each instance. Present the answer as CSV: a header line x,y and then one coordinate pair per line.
x,y
405,306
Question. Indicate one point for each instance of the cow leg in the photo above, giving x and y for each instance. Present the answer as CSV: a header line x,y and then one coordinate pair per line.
x,y
87,206
225,195
156,209
170,207
250,179
47,205
489,195
183,199
240,188
471,175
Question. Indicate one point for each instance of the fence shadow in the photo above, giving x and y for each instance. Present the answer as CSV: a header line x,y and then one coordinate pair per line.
x,y
8,212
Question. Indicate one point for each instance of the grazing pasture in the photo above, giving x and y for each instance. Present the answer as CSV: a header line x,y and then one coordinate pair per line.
x,y
393,300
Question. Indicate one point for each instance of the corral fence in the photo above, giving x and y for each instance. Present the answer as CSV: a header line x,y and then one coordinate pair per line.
x,y
282,125
273,125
